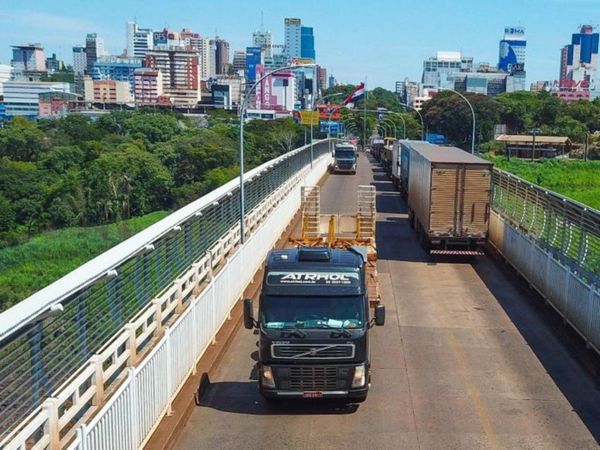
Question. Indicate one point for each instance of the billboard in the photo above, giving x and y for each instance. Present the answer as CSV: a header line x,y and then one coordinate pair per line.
x,y
289,21
333,127
253,59
309,117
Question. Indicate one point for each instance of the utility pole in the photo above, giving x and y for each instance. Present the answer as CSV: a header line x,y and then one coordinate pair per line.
x,y
585,150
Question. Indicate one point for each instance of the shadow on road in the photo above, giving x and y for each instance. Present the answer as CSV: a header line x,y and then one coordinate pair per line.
x,y
572,367
242,397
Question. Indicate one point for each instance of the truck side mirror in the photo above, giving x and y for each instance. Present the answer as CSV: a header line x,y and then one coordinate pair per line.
x,y
380,315
248,312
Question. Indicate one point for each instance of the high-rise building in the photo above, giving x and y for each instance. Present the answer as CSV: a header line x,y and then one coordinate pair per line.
x,y
579,67
407,91
293,38
239,60
582,58
28,58
5,75
512,50
139,40
148,86
53,64
181,73
276,61
332,81
188,39
439,71
94,48
263,39
322,78
221,56
564,62
307,43
116,68
79,60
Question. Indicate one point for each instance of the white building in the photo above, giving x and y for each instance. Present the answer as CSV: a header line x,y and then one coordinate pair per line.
x,y
439,71
264,40
5,74
139,40
79,60
21,98
293,38
276,92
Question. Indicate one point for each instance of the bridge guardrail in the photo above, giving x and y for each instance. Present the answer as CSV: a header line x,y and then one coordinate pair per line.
x,y
554,242
40,356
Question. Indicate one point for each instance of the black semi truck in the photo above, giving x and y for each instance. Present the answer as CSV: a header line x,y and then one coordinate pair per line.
x,y
314,322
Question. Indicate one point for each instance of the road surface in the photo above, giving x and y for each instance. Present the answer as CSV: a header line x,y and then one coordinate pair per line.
x,y
465,360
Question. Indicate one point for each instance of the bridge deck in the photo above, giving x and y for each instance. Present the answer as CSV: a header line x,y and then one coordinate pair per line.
x,y
465,360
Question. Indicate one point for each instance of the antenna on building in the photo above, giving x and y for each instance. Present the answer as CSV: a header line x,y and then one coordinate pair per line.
x,y
262,20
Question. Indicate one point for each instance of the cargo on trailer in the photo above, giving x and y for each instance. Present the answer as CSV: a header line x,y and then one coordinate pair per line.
x,y
448,198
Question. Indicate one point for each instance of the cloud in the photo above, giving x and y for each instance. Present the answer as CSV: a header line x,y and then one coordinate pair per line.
x,y
44,21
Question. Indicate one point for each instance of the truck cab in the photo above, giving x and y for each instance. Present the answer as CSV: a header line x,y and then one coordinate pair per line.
x,y
344,158
314,322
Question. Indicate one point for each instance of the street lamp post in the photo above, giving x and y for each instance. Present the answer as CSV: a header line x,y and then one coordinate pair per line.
x,y
391,112
242,113
392,124
472,114
420,117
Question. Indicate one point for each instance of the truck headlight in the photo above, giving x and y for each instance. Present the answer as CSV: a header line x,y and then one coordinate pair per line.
x,y
360,376
267,377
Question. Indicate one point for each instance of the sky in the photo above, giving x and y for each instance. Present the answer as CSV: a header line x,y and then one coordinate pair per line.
x,y
379,41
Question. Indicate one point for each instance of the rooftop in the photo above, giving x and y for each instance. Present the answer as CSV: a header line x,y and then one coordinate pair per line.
x,y
528,139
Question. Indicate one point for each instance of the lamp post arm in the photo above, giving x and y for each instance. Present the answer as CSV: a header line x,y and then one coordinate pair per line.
x,y
242,113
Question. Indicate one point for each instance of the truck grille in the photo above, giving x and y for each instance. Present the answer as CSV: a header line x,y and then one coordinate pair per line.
x,y
313,378
307,351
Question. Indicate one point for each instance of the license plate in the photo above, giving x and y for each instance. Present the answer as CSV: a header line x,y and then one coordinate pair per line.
x,y
312,394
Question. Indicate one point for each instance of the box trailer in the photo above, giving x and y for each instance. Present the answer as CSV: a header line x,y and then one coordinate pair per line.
x,y
449,198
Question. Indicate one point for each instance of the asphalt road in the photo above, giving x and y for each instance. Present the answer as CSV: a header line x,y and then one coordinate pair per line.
x,y
467,359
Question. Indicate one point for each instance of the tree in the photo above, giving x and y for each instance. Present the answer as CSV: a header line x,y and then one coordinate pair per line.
x,y
449,114
21,140
126,183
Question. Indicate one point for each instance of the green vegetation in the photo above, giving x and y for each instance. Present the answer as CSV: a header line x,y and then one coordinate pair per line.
x,y
579,180
377,98
448,114
78,172
29,267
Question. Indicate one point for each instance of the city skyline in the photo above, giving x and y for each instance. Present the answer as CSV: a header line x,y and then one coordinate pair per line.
x,y
60,27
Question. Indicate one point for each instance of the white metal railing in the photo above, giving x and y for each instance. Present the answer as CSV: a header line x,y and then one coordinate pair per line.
x,y
143,367
573,297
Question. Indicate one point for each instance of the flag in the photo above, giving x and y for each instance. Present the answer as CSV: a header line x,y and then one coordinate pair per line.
x,y
358,93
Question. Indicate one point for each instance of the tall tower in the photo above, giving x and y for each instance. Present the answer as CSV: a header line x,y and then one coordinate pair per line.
x,y
512,50
293,37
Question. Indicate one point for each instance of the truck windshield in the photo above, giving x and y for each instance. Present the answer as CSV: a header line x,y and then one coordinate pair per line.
x,y
344,154
312,312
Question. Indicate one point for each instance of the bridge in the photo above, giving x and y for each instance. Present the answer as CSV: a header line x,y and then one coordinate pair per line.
x,y
141,347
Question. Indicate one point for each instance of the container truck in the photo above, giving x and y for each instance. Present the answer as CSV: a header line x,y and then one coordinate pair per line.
x,y
448,198
345,158
314,321
314,311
